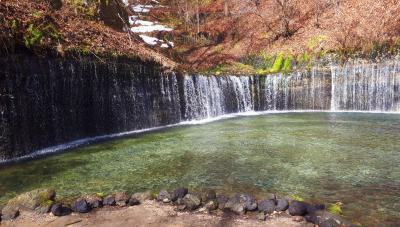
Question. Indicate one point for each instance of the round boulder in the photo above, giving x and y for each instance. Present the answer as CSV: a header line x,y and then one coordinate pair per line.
x,y
267,206
59,209
191,201
109,200
179,193
80,206
282,204
297,208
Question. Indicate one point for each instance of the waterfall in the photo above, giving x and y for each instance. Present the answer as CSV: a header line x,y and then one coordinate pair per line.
x,y
366,87
47,102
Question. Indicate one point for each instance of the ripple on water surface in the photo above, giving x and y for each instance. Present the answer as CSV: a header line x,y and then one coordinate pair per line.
x,y
327,157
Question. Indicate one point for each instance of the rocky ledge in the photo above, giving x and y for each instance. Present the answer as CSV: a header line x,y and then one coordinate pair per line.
x,y
43,201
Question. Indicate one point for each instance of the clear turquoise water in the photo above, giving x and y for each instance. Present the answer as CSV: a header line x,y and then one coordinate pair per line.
x,y
326,157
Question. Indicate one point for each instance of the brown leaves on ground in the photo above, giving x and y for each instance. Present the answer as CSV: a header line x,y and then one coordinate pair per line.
x,y
76,32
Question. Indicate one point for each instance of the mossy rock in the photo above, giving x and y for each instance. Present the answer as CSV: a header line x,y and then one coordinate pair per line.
x,y
38,199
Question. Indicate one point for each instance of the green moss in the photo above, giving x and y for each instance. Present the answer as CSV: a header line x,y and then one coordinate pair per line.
x,y
297,198
33,36
279,60
287,65
335,208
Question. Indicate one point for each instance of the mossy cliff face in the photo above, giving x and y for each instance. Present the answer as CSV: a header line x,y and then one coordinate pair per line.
x,y
48,101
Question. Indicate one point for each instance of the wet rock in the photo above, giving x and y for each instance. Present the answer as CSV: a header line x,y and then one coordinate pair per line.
x,y
80,206
179,193
261,216
142,196
249,201
326,219
191,201
235,205
39,200
133,202
297,208
9,212
59,209
164,196
282,204
121,199
239,204
94,201
222,200
109,201
211,205
267,206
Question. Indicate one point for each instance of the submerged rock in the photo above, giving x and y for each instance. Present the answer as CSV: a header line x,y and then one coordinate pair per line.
x,y
297,208
179,193
59,209
121,199
80,206
282,204
191,201
267,206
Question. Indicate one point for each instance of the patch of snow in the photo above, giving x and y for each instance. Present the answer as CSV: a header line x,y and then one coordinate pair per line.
x,y
171,43
152,28
149,40
164,45
155,1
142,8
126,2
143,22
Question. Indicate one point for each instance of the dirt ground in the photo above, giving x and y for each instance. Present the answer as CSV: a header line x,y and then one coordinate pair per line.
x,y
150,213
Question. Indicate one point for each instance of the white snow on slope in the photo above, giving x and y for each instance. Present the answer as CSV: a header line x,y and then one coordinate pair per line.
x,y
152,28
142,8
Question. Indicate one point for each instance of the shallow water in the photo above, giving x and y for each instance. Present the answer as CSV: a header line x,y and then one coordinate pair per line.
x,y
326,157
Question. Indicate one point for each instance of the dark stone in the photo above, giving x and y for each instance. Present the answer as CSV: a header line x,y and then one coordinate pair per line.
x,y
191,201
164,196
297,208
109,200
282,204
267,206
249,201
179,193
133,202
94,201
59,209
80,206
211,195
222,200
121,198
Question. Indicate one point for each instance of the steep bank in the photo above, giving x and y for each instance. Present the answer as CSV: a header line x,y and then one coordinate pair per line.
x,y
51,101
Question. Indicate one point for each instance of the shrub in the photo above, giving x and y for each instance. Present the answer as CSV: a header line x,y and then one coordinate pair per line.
x,y
32,36
278,64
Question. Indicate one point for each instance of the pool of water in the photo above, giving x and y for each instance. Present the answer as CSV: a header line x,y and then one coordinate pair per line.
x,y
353,158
